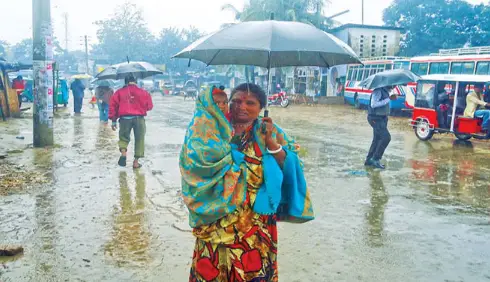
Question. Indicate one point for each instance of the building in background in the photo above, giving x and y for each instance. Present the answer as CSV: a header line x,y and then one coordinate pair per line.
x,y
368,41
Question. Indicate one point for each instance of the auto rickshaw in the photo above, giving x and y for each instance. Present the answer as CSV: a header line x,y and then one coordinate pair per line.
x,y
9,100
440,102
190,90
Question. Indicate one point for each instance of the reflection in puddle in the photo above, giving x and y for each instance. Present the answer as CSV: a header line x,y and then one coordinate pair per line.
x,y
452,173
130,236
376,213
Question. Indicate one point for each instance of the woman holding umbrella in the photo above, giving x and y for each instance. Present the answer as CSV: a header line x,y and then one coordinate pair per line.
x,y
237,182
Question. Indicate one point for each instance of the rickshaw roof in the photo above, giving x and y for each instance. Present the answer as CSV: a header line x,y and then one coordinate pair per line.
x,y
457,78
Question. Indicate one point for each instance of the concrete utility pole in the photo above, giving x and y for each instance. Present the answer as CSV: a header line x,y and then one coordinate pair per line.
x,y
86,54
43,73
66,32
362,7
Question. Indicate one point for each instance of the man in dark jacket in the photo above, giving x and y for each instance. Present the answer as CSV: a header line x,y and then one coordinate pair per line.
x,y
78,89
378,112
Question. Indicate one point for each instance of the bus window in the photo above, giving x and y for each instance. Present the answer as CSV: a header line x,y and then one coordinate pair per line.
x,y
401,65
373,71
420,68
349,74
354,74
439,68
456,68
388,67
468,68
359,74
482,68
365,74
463,68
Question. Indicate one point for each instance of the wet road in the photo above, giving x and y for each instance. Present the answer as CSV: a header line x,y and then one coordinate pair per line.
x,y
424,219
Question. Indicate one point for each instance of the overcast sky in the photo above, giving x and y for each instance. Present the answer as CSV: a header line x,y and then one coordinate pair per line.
x,y
204,14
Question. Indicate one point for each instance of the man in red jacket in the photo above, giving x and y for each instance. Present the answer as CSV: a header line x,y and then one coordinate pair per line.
x,y
130,105
19,85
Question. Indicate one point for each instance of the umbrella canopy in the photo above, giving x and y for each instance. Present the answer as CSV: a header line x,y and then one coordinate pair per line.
x,y
389,78
81,76
105,83
123,70
270,44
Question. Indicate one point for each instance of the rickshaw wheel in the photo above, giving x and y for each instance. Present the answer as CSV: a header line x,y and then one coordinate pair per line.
x,y
423,131
463,137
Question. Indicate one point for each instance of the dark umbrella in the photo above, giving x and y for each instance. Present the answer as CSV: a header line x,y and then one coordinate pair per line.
x,y
123,70
389,78
270,44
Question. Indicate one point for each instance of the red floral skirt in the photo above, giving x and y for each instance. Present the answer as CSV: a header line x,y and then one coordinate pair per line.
x,y
253,257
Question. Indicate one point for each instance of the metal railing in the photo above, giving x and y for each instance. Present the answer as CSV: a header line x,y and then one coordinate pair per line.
x,y
463,51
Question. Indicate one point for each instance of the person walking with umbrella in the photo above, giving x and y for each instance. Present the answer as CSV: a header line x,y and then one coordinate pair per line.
x,y
103,93
379,109
130,105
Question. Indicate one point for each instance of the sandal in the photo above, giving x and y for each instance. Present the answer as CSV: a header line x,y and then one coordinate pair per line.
x,y
122,161
138,166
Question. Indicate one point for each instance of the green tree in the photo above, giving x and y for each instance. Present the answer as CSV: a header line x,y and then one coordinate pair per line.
x,y
123,35
3,49
170,42
437,24
22,51
307,11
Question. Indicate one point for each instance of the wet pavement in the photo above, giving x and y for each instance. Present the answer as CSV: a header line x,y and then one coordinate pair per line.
x,y
426,218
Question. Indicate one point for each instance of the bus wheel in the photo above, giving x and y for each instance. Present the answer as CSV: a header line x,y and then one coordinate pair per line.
x,y
463,137
357,103
423,131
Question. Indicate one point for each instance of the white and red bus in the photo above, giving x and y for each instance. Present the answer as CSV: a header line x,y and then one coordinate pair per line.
x,y
470,61
466,61
360,97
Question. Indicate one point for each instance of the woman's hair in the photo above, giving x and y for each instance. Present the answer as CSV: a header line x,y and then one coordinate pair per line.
x,y
254,89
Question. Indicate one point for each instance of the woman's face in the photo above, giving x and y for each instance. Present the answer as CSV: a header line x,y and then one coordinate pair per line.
x,y
245,107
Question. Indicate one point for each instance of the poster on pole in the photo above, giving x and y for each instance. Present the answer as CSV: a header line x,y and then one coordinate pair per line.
x,y
43,91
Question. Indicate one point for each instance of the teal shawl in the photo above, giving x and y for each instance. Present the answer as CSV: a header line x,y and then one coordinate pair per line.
x,y
214,173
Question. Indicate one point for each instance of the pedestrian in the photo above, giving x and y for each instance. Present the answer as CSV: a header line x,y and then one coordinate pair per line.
x,y
78,90
232,208
130,105
378,112
103,94
19,85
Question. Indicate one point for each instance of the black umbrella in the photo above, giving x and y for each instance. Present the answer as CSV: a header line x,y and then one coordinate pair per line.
x,y
123,70
271,44
389,78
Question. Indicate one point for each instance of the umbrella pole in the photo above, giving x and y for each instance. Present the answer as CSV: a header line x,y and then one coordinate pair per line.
x,y
269,88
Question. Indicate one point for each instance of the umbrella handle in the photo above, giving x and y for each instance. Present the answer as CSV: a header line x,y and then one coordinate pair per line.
x,y
264,129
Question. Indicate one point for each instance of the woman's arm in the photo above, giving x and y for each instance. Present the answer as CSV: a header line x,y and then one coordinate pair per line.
x,y
272,144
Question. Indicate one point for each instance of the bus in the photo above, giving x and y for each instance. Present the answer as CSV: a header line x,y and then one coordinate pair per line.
x,y
360,97
474,60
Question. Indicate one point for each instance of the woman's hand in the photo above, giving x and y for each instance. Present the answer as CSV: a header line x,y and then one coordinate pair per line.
x,y
270,142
